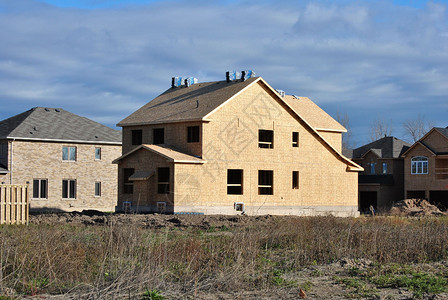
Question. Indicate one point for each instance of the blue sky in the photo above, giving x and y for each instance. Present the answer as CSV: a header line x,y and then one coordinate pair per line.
x,y
101,59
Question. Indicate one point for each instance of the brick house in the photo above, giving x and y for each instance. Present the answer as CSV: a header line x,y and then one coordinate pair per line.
x,y
65,159
235,145
426,168
382,181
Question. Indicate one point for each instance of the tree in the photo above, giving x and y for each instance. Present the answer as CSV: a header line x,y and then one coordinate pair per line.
x,y
344,120
416,128
379,129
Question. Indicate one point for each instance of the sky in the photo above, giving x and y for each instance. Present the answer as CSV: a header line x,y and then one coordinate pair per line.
x,y
371,60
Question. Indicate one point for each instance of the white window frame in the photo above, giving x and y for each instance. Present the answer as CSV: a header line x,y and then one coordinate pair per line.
x,y
69,189
97,153
71,150
419,165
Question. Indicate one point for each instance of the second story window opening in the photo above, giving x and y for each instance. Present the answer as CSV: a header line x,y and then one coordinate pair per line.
x,y
137,137
128,185
372,168
384,168
97,153
234,182
295,139
158,136
265,139
192,134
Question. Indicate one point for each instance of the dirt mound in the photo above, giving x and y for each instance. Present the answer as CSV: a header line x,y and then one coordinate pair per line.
x,y
415,207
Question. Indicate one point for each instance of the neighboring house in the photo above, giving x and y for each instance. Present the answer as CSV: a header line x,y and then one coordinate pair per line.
x,y
234,146
382,181
65,159
426,168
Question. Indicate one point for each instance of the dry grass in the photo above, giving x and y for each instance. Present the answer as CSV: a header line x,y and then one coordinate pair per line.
x,y
96,261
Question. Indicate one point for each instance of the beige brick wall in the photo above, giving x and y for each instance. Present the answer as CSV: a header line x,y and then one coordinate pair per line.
x,y
43,160
422,182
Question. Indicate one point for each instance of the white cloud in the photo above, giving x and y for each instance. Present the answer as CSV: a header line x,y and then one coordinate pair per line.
x,y
366,56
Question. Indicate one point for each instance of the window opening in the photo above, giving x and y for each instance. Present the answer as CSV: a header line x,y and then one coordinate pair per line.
x,y
193,134
295,139
158,136
265,139
163,180
69,189
128,185
265,182
234,182
137,137
40,188
68,153
295,179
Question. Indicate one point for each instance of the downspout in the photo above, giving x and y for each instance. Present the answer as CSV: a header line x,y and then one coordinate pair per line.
x,y
11,162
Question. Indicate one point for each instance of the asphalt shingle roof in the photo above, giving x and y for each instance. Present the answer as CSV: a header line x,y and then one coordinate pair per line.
x,y
56,124
390,146
186,103
443,131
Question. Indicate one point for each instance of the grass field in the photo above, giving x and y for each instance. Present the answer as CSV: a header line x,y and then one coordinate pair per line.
x,y
107,261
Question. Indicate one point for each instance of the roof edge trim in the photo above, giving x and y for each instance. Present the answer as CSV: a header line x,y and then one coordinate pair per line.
x,y
62,141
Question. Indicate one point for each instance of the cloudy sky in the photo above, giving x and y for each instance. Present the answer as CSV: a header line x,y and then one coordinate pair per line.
x,y
103,59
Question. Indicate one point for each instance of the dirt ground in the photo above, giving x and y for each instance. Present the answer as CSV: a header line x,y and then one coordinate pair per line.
x,y
331,281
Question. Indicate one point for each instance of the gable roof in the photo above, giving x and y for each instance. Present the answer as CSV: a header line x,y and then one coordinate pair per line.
x,y
315,115
181,104
199,101
56,124
390,147
442,131
170,154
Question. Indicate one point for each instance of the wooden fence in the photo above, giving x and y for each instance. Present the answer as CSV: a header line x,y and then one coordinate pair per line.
x,y
14,204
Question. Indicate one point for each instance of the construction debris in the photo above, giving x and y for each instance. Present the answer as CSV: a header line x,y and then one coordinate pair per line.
x,y
415,207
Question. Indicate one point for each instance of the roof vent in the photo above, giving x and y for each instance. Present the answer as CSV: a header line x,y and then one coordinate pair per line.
x,y
297,97
57,110
190,81
246,74
176,82
281,93
232,75
47,109
243,75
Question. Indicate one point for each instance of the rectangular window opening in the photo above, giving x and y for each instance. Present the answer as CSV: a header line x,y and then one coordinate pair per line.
x,y
97,153
158,136
68,189
137,137
128,185
372,168
234,182
193,134
40,188
163,180
68,153
265,139
295,180
265,182
295,139
97,189
384,168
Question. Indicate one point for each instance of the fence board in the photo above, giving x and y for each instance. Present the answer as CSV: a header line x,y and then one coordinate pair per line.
x,y
14,204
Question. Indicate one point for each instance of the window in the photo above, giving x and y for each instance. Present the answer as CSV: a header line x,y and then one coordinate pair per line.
x,y
137,137
265,182
295,139
163,180
419,165
384,168
97,189
193,134
97,153
295,180
158,136
40,188
69,189
372,168
128,185
69,153
234,182
3,150
265,139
